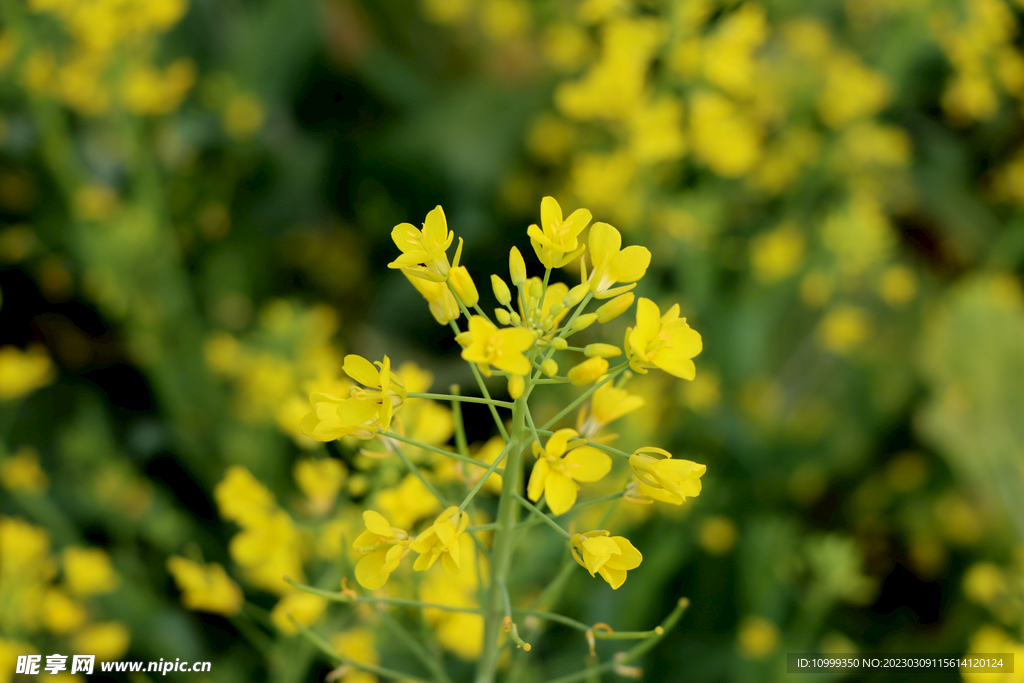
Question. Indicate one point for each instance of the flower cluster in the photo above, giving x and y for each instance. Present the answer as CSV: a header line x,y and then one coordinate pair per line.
x,y
528,340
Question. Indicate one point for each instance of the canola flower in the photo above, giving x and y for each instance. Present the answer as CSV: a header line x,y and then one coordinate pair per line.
x,y
528,341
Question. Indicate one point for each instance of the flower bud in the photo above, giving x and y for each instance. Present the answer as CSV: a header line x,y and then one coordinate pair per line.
x,y
556,309
536,289
516,320
575,295
549,367
516,386
503,316
463,285
614,308
583,322
588,371
501,291
559,344
601,350
517,267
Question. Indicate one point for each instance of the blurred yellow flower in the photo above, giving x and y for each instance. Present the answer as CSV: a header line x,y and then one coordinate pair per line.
x,y
304,608
21,472
205,588
757,637
843,329
777,254
320,480
87,571
22,372
61,614
108,640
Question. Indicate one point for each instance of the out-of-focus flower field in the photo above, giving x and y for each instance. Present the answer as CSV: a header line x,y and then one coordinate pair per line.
x,y
196,207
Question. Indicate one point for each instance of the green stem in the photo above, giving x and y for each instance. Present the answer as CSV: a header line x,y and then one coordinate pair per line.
x,y
404,602
504,537
460,427
432,663
419,475
483,389
325,647
462,399
547,520
435,449
585,395
483,480
633,653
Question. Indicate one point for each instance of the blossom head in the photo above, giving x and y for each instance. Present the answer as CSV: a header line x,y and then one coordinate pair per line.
x,y
440,299
205,588
441,540
558,469
556,240
662,341
601,553
608,404
424,252
382,547
665,478
366,410
613,264
487,346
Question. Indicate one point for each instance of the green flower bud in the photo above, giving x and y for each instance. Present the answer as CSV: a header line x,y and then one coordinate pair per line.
x,y
502,316
501,291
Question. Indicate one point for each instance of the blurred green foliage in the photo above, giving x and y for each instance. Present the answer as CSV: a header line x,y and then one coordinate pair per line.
x,y
196,201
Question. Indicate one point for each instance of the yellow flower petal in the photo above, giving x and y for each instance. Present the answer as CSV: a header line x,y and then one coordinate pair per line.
x,y
560,492
588,464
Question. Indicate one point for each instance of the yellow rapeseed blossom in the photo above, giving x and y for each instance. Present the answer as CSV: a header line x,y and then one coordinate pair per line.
x,y
487,346
777,254
560,466
440,299
601,553
662,341
382,547
555,241
613,264
665,478
205,588
21,472
587,372
61,614
359,645
22,372
364,411
607,404
108,640
241,497
424,251
320,480
843,329
757,637
987,640
305,608
441,540
87,571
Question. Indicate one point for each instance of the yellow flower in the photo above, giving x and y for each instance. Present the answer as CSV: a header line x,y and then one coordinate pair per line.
x,y
87,571
588,371
21,472
357,644
601,553
662,341
320,480
365,411
607,404
486,345
440,299
305,608
23,548
22,372
61,614
558,469
241,497
107,641
441,539
757,637
463,285
205,588
555,241
612,263
408,502
382,547
664,478
424,251
544,315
